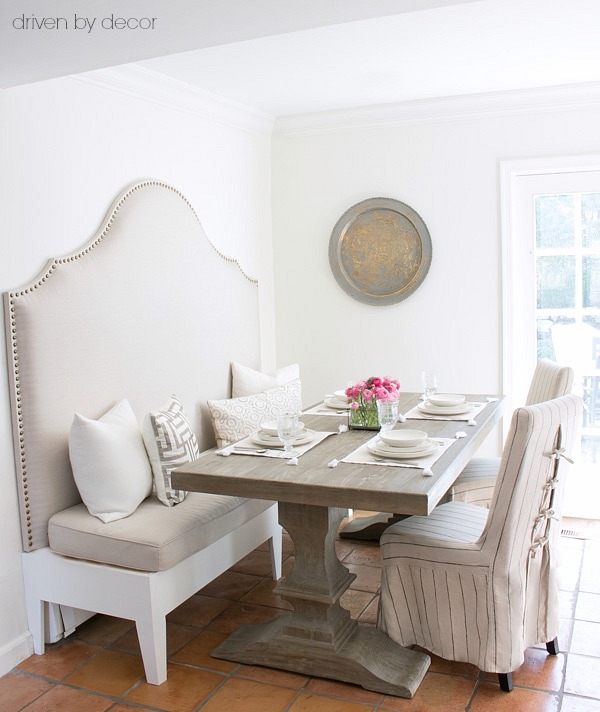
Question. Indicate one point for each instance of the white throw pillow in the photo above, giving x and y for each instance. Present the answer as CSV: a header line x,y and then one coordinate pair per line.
x,y
109,462
170,442
248,382
234,418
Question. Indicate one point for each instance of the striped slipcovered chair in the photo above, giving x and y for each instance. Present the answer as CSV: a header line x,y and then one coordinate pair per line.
x,y
477,585
476,482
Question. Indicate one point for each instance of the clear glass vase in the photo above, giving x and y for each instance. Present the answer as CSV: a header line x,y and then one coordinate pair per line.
x,y
365,417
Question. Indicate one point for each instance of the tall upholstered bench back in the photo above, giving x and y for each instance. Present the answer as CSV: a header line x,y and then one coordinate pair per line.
x,y
148,307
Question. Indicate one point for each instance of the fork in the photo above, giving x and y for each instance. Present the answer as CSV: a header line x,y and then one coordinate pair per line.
x,y
393,459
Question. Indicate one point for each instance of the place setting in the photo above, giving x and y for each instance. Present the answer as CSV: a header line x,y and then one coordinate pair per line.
x,y
287,437
336,404
443,406
401,448
446,406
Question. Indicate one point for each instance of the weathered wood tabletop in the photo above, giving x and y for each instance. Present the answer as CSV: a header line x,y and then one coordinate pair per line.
x,y
391,489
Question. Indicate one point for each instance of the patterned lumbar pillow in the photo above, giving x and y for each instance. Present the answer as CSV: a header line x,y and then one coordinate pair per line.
x,y
171,443
110,465
246,381
234,418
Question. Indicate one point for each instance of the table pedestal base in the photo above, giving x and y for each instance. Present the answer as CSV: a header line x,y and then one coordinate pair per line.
x,y
368,658
319,637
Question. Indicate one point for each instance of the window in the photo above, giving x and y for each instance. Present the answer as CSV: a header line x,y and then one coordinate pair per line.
x,y
567,265
551,293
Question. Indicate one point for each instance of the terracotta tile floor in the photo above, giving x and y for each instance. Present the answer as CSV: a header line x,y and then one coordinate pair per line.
x,y
99,666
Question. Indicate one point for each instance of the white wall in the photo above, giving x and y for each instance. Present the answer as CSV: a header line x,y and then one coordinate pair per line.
x,y
68,148
447,170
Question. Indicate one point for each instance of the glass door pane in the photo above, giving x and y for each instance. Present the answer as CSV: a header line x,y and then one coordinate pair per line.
x,y
567,266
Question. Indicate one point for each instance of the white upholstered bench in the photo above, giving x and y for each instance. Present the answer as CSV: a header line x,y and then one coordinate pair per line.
x,y
146,308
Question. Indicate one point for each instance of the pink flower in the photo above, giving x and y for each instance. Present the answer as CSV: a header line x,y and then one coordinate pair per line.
x,y
374,388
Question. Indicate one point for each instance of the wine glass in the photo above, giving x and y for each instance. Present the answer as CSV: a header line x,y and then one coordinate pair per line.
x,y
429,380
287,430
387,412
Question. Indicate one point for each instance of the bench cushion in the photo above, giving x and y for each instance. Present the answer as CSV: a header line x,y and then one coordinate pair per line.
x,y
154,537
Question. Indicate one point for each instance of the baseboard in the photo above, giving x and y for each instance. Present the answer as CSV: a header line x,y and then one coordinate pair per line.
x,y
15,652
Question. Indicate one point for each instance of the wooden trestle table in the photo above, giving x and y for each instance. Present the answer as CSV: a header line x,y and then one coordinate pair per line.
x,y
319,637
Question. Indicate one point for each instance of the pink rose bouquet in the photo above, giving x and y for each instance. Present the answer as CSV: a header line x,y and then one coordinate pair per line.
x,y
365,394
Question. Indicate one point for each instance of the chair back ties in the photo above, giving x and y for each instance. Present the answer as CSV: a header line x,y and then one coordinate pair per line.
x,y
544,514
538,544
560,452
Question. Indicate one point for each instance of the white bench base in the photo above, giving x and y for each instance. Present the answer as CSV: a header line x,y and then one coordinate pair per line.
x,y
144,597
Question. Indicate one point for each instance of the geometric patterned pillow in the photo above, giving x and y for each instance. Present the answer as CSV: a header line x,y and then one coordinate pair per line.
x,y
234,418
170,442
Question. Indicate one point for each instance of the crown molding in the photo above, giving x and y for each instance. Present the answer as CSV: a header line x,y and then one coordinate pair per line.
x,y
148,85
575,97
142,83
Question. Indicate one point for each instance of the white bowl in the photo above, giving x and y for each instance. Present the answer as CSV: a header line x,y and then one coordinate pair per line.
x,y
341,396
270,427
446,399
403,438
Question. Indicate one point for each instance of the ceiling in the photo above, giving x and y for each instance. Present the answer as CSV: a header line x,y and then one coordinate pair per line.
x,y
32,55
304,56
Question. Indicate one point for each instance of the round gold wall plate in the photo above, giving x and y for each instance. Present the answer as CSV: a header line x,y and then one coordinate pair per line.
x,y
380,251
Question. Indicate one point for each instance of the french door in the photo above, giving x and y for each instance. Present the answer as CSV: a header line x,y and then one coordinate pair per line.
x,y
551,279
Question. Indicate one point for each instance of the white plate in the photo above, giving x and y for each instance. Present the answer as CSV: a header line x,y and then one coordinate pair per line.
x,y
404,438
402,453
269,427
265,435
439,410
341,397
259,438
336,404
446,399
382,447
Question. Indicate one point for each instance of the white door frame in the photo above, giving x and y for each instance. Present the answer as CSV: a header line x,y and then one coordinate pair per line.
x,y
517,277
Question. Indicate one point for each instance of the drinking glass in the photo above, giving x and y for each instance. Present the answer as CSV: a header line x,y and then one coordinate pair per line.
x,y
287,430
429,380
388,414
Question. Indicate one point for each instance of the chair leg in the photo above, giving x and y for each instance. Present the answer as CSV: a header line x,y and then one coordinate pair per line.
x,y
505,680
552,647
